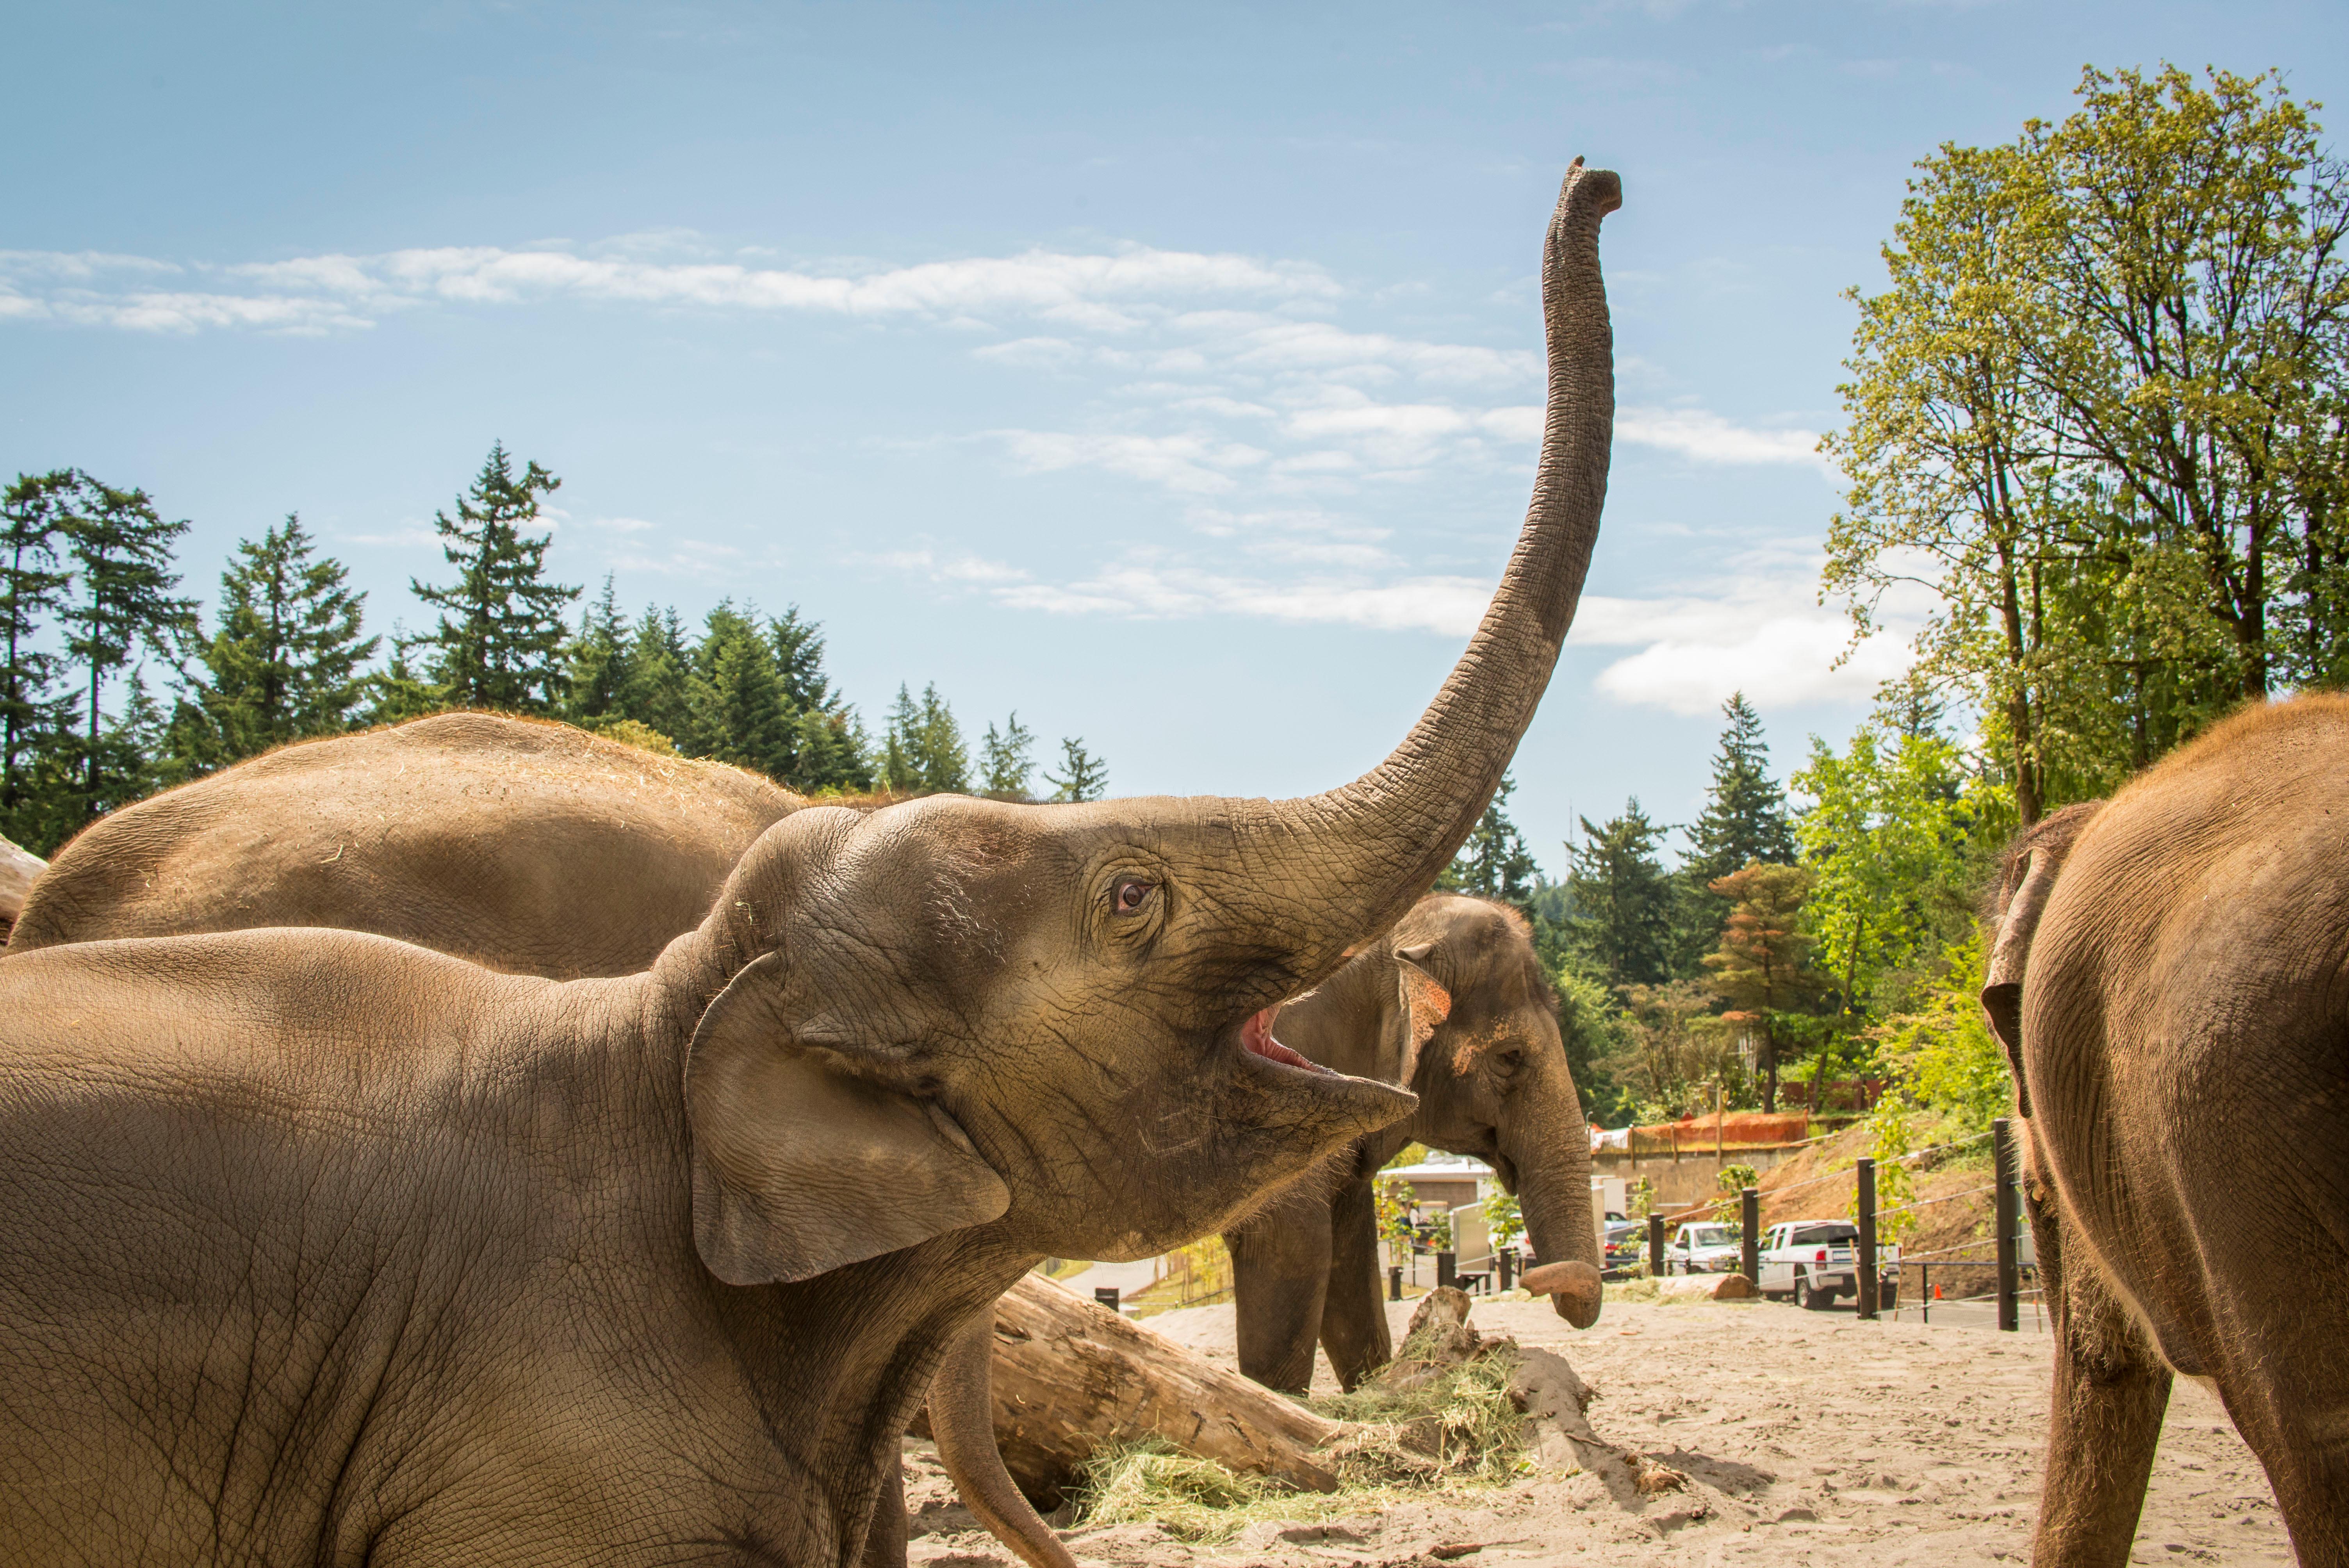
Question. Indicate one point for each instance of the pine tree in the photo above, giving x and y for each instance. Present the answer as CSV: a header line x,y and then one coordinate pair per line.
x,y
1005,760
121,549
1621,898
1744,817
599,661
501,626
1082,775
659,690
1494,862
285,661
32,589
741,713
899,738
1763,968
940,759
830,747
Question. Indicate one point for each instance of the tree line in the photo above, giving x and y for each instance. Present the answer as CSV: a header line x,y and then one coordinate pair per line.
x,y
113,685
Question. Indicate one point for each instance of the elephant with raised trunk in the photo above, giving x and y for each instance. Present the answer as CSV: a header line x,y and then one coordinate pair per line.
x,y
321,1244
2168,979
1452,1004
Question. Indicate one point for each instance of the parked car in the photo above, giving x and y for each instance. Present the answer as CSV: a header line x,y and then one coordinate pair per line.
x,y
1701,1247
1815,1262
1626,1242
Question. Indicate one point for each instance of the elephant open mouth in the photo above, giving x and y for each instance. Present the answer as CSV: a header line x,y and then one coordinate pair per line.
x,y
1256,1036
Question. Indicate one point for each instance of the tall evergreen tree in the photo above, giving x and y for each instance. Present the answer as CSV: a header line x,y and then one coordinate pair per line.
x,y
501,624
121,549
1005,759
599,661
659,690
741,715
831,752
286,658
1744,817
1621,898
940,758
1763,968
1494,862
899,742
1083,775
32,589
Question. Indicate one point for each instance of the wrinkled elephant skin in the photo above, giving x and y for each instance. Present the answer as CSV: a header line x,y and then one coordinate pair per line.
x,y
318,1244
1453,1003
2167,976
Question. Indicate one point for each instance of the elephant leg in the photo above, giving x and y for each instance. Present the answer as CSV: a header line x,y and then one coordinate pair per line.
x,y
886,1537
2111,1389
1280,1277
1353,1316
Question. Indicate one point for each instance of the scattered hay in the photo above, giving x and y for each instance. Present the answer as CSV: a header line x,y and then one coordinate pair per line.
x,y
1455,1431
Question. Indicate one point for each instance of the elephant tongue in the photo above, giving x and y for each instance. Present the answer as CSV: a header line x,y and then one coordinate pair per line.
x,y
1257,1036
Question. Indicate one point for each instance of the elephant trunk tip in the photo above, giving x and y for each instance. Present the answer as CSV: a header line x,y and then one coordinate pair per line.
x,y
1574,1287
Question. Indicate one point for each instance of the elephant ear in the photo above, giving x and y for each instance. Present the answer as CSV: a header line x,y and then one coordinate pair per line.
x,y
800,1165
1420,1005
2002,992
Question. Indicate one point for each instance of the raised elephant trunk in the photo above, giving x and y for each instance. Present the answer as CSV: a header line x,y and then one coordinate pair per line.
x,y
1373,846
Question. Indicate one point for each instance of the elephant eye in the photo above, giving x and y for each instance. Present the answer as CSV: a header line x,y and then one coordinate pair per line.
x,y
1510,1061
1131,895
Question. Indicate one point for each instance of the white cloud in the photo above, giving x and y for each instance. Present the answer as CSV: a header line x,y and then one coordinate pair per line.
x,y
1095,292
1709,438
1187,464
1764,633
1452,606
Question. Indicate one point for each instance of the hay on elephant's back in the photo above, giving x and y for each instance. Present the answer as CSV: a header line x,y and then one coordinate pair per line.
x,y
1458,1429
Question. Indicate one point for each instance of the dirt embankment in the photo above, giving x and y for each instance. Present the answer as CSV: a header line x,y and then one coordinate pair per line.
x,y
1952,1218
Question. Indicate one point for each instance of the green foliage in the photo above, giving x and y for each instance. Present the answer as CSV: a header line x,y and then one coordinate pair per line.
x,y
1669,1050
1494,862
1895,839
1731,1183
1083,775
33,514
1744,817
286,659
1504,1221
498,644
1620,898
2100,402
923,751
1763,968
1005,760
1943,1048
1891,1136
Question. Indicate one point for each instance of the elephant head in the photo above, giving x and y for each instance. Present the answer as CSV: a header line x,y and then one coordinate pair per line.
x,y
1493,1078
1057,1019
2014,902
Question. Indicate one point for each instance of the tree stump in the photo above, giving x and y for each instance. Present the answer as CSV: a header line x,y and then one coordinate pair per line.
x,y
1071,1376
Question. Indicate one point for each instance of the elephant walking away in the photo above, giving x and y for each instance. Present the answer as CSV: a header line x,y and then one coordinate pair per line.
x,y
1452,1004
462,1263
2171,980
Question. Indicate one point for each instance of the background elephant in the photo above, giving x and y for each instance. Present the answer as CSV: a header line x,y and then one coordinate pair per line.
x,y
1045,1029
2168,981
1451,1003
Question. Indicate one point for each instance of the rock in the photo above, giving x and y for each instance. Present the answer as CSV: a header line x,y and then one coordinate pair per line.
x,y
1735,1287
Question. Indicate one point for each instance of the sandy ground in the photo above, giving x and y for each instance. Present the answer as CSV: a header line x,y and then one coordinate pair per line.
x,y
1810,1437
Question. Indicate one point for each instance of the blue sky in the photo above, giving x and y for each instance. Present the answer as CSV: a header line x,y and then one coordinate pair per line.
x,y
1165,373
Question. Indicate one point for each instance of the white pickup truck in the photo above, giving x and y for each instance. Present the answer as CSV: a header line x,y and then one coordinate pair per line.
x,y
1814,1261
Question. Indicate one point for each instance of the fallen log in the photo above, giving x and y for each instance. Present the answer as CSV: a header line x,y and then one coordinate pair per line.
x,y
1071,1376
19,870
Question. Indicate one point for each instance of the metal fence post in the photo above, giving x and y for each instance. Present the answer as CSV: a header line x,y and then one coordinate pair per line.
x,y
1656,1246
1447,1270
2002,1209
1868,1275
1394,1282
1506,1261
1106,1295
1749,1224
